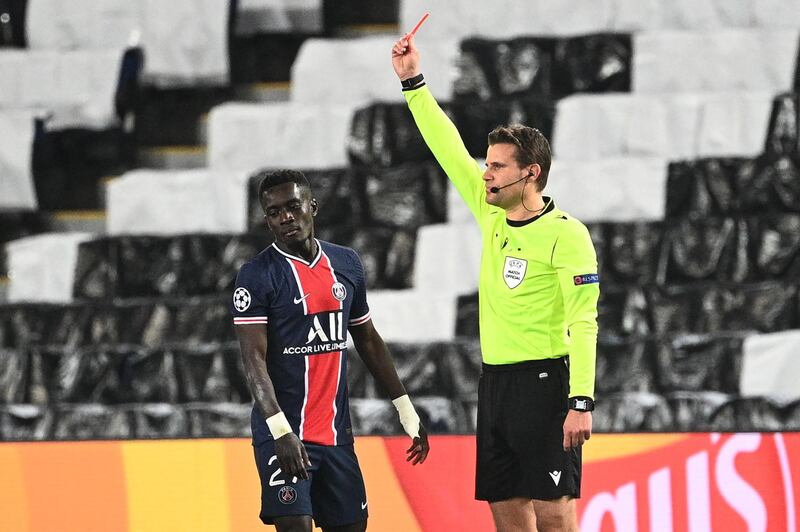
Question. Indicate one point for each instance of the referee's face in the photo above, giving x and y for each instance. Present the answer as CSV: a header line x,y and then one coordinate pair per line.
x,y
289,211
503,173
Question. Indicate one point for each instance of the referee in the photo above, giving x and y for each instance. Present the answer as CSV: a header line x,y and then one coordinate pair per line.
x,y
538,316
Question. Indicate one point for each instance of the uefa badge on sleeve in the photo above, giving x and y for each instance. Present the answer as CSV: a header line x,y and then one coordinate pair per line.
x,y
241,299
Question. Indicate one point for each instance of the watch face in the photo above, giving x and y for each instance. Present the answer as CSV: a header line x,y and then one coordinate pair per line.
x,y
580,404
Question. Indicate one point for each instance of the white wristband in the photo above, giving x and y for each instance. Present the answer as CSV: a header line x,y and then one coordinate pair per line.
x,y
408,416
278,425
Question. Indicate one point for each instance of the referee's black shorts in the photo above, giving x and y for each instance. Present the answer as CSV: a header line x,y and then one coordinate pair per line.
x,y
521,412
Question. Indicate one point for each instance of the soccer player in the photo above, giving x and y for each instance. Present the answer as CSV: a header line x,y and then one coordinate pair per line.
x,y
293,306
538,295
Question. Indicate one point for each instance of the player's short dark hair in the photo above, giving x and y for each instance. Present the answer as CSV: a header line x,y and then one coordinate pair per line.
x,y
273,178
532,147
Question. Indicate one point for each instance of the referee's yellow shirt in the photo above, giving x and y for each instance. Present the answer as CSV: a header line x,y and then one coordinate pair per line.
x,y
539,286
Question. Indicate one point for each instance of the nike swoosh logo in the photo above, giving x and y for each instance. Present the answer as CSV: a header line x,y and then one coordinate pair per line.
x,y
363,505
297,301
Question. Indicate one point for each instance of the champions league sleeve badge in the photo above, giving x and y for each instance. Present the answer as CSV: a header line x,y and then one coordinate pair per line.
x,y
241,299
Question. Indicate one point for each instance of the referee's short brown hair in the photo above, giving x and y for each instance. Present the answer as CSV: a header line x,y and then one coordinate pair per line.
x,y
532,147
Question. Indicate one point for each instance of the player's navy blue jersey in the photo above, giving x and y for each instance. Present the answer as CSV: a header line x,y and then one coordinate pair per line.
x,y
306,308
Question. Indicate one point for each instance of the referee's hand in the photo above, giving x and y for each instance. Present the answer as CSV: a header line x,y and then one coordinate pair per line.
x,y
577,429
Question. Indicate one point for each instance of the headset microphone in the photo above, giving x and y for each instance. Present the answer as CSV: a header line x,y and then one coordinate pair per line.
x,y
495,190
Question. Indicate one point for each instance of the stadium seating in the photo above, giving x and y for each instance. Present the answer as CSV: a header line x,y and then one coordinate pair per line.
x,y
672,118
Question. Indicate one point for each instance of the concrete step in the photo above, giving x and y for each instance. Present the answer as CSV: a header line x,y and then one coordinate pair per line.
x,y
273,91
366,30
92,221
173,157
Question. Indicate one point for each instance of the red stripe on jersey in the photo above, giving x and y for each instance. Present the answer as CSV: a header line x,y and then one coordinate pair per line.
x,y
318,282
319,410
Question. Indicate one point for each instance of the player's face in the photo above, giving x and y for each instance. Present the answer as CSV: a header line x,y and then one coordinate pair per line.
x,y
289,211
502,169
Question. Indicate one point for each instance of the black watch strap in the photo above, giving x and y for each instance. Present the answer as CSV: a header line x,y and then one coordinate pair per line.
x,y
413,83
581,403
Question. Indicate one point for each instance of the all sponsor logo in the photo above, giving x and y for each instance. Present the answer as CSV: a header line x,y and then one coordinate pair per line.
x,y
514,271
287,495
241,299
339,291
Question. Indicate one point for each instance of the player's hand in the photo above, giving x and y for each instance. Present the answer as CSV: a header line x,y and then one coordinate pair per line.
x,y
292,456
418,452
405,58
577,428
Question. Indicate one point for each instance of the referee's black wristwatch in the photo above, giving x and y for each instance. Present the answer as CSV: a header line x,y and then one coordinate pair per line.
x,y
581,403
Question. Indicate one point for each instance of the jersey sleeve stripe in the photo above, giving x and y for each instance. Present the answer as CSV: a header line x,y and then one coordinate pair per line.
x,y
359,321
250,319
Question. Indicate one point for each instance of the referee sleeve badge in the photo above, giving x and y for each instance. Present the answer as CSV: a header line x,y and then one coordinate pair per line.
x,y
587,278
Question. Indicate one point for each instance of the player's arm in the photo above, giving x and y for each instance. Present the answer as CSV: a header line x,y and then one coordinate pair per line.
x,y
290,451
375,354
576,264
437,129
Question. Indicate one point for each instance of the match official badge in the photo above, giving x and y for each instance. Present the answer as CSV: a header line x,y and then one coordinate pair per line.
x,y
287,495
514,271
241,299
339,291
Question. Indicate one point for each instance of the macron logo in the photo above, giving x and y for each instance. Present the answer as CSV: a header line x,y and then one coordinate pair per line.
x,y
297,301
556,476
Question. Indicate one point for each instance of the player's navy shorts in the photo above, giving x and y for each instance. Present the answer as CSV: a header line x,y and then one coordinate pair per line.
x,y
334,493
521,412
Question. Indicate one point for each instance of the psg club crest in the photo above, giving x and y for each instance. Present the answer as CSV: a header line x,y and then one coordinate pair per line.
x,y
241,299
287,495
514,271
339,291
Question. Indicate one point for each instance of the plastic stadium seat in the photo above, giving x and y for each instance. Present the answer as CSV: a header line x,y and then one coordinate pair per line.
x,y
510,17
625,366
34,275
92,421
26,422
735,185
384,134
637,193
622,312
770,365
746,414
144,266
249,136
627,252
447,258
545,67
219,420
678,61
632,412
279,16
14,372
198,57
674,126
692,411
698,363
791,416
17,192
369,77
378,416
159,420
209,373
703,308
783,133
209,200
